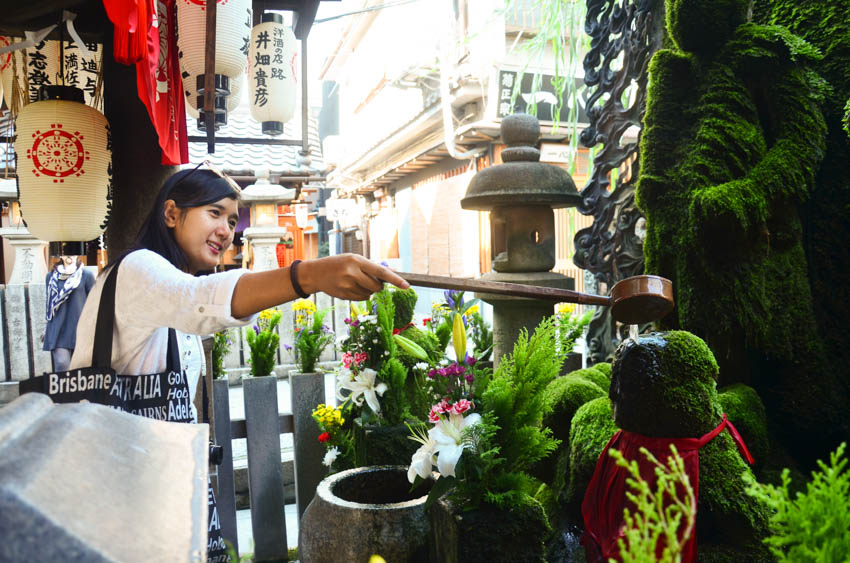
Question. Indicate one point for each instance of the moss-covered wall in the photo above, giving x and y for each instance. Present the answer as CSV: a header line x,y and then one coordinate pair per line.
x,y
732,143
826,25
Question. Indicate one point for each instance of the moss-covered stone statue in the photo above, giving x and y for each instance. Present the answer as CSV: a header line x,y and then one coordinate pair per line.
x,y
663,385
732,141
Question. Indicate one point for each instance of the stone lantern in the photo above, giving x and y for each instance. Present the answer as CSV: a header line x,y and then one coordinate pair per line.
x,y
264,233
520,196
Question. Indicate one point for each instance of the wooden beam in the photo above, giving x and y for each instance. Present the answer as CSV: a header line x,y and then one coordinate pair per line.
x,y
21,16
304,18
209,76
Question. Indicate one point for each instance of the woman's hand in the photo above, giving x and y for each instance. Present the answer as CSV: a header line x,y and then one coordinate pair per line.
x,y
346,276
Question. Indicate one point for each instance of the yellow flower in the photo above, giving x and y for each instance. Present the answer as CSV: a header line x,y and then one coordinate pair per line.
x,y
472,310
299,319
266,314
565,308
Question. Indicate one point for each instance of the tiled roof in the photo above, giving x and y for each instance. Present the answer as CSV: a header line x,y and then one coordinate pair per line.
x,y
277,158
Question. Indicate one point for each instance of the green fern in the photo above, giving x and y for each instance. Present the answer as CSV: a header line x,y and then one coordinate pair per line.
x,y
814,525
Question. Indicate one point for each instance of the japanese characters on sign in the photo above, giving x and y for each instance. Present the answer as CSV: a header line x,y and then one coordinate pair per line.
x,y
272,74
543,94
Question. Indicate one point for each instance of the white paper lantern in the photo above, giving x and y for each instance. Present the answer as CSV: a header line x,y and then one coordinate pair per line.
x,y
271,77
42,66
232,34
64,167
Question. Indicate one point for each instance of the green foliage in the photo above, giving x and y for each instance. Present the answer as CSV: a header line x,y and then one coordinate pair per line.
x,y
814,525
571,327
563,397
482,336
404,301
311,340
663,516
592,374
731,157
558,35
263,341
221,346
443,333
591,428
395,404
846,124
745,410
515,396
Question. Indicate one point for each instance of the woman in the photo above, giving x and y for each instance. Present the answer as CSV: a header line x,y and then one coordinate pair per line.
x,y
67,285
159,287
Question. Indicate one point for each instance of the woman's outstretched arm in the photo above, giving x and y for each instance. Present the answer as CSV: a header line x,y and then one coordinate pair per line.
x,y
345,276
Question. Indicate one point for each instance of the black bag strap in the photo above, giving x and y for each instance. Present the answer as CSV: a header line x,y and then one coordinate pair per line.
x,y
102,348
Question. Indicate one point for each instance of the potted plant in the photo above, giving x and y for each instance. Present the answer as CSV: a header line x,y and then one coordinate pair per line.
x,y
482,441
263,341
311,335
374,383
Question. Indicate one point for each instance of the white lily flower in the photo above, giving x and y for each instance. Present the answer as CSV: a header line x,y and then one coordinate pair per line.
x,y
369,319
448,437
422,461
330,456
362,386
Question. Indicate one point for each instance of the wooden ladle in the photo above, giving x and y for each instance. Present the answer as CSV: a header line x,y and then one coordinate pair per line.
x,y
634,300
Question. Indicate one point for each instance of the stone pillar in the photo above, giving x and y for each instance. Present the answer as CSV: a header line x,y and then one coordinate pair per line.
x,y
263,241
520,195
29,264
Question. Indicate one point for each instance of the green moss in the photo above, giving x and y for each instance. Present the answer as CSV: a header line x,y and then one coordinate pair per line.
x,y
703,26
592,428
604,367
596,376
745,410
726,515
488,534
731,148
824,24
561,399
405,302
663,385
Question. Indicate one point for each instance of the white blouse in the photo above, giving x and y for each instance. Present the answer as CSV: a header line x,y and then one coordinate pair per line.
x,y
152,296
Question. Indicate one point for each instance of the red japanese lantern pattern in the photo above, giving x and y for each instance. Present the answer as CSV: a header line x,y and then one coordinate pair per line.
x,y
64,170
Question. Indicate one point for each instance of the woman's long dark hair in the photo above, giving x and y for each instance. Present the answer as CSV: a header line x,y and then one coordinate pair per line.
x,y
188,188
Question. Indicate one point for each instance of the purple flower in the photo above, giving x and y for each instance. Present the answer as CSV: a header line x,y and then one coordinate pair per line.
x,y
432,374
384,264
256,329
287,347
347,321
470,378
375,308
355,323
470,361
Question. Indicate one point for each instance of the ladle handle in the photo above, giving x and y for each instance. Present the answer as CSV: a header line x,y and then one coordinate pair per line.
x,y
502,288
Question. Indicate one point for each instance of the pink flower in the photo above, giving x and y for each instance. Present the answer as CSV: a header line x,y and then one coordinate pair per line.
x,y
461,406
442,407
347,358
360,357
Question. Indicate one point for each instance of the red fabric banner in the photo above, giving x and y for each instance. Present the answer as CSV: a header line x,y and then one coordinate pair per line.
x,y
159,84
605,498
131,19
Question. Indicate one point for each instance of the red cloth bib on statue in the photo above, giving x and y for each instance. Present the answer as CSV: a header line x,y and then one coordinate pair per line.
x,y
605,498
159,84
